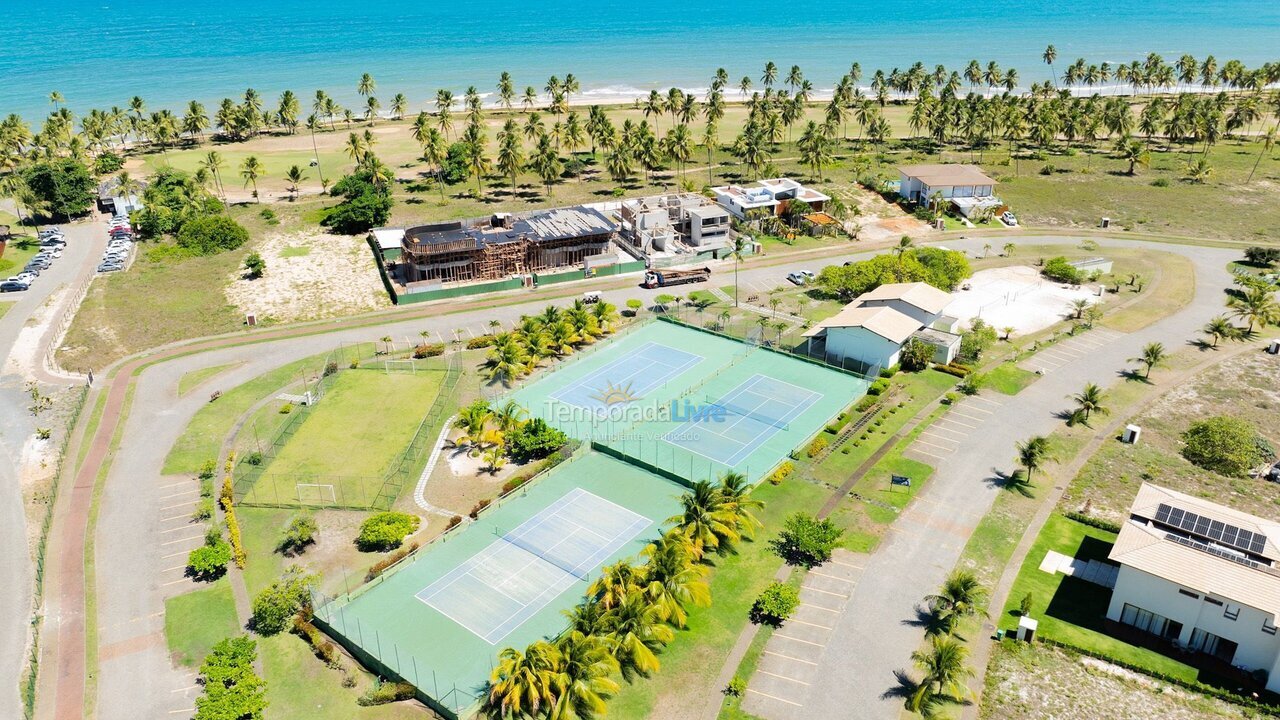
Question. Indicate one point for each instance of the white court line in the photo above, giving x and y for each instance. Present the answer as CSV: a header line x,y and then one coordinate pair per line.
x,y
788,657
640,353
767,431
774,697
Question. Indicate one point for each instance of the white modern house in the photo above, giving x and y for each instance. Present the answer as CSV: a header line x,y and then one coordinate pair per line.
x,y
679,222
769,195
871,331
1201,576
966,186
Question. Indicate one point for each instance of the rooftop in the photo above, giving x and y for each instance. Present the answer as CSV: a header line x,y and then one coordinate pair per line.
x,y
922,295
540,226
883,321
947,175
1202,546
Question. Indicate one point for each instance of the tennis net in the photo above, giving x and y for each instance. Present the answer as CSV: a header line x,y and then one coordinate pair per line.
x,y
574,561
754,415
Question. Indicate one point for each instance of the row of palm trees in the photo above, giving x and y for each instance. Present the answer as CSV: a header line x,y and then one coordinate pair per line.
x,y
630,613
484,430
943,661
553,333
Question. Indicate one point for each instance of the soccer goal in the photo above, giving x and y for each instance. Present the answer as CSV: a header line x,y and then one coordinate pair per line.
x,y
317,494
400,366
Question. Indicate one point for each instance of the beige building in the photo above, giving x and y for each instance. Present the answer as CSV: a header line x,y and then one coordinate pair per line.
x,y
871,331
966,186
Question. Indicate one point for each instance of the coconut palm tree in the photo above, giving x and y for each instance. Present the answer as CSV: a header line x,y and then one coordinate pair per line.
x,y
508,416
506,90
294,176
1153,355
435,149
1257,306
1078,306
584,677
473,141
904,245
510,153
674,579
1051,54
943,663
1134,153
606,314
251,170
1090,400
960,597
636,630
707,520
214,163
561,338
523,684
473,420
1032,453
506,361
1008,249
616,582
1219,328
1268,141
546,162
736,494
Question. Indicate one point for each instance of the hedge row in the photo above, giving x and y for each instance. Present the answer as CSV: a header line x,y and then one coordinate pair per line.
x,y
379,567
1092,521
238,553
782,473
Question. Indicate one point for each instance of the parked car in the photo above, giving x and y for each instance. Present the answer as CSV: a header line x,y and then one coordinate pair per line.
x,y
50,233
12,286
1009,218
110,267
53,243
39,263
796,278
53,253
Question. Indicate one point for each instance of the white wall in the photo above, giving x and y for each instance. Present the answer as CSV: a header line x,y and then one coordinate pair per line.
x,y
862,345
1256,648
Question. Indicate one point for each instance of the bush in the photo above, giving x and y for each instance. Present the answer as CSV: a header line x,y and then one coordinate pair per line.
x,y
1225,445
330,368
229,686
737,686
1262,255
776,603
300,533
878,387
782,472
513,484
207,469
1024,606
865,403
1092,521
427,350
212,234
479,507
204,510
454,522
1059,270
890,371
806,540
254,266
381,566
387,692
952,370
480,341
107,163
209,561
817,446
254,458
386,531
916,355
976,340
286,408
534,440
323,649
276,605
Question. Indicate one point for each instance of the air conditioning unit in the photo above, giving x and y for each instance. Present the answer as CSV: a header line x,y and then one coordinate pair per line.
x,y
1131,434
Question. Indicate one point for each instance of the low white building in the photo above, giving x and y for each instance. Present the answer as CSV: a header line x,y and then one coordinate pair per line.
x,y
1202,576
872,330
966,186
770,196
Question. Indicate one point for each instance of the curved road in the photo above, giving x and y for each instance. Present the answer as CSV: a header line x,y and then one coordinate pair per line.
x,y
143,534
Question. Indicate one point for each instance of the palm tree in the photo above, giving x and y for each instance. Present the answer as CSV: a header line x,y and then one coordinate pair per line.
x,y
546,162
739,252
399,104
584,677
675,580
523,683
615,583
959,597
434,150
1032,453
508,416
1078,306
1009,248
474,141
943,663
1153,355
735,492
1257,306
214,163
1219,328
295,176
510,153
1051,54
904,244
706,519
636,629
1089,400
1268,141
506,361
506,90
366,86
251,170
473,421
1134,153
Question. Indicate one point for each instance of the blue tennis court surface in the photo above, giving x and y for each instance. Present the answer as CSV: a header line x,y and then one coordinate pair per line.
x,y
629,377
756,410
496,590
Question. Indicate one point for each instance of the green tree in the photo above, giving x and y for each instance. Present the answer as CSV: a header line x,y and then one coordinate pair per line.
x,y
637,631
255,267
211,234
1226,445
276,605
807,541
1257,306
583,678
523,684
707,519
251,169
1219,328
300,533
960,597
775,603
1152,355
674,580
294,176
62,186
945,671
1090,400
1032,453
386,531
230,689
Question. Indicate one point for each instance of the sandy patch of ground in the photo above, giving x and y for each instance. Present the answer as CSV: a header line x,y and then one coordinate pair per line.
x,y
460,481
1016,297
335,276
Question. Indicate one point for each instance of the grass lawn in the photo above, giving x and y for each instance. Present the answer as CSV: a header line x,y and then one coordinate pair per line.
x,y
203,437
1009,379
1072,611
17,252
195,621
692,662
1174,290
195,378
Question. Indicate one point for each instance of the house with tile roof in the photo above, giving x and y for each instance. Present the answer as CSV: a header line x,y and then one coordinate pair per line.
x,y
871,331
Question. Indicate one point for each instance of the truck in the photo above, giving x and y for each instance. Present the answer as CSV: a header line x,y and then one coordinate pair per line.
x,y
667,278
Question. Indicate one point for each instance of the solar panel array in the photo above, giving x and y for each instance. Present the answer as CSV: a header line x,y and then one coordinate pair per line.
x,y
1226,555
1217,530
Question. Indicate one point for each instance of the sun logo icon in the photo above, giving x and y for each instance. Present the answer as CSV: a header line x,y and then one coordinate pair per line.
x,y
615,394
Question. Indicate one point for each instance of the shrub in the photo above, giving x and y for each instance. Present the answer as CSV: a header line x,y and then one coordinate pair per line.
x,y
865,403
454,522
275,605
208,468
782,472
952,370
479,507
323,649
817,446
534,440
387,692
1024,606
976,340
1262,255
107,163
330,368
229,686
878,387
916,355
427,350
381,566
1059,270
776,603
254,266
300,533
238,553
1225,445
513,484
737,686
204,510
1160,182
254,458
386,531
286,408
480,341
1092,521
806,540
212,234
890,371
209,561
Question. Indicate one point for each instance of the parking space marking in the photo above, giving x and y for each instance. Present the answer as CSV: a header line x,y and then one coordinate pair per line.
x,y
774,697
940,438
174,555
788,657
189,687
802,622
926,452
833,561
824,592
984,411
969,417
796,639
819,607
163,532
183,516
188,503
947,450
782,677
833,577
175,582
936,428
175,567
985,400
188,539
179,494
947,419
170,485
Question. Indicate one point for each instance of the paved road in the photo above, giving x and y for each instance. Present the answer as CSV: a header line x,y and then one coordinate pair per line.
x,y
17,428
142,532
873,636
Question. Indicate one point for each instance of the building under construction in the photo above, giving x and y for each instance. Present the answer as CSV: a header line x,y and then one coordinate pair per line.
x,y
505,245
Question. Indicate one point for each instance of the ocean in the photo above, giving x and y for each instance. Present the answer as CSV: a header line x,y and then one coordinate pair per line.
x,y
100,53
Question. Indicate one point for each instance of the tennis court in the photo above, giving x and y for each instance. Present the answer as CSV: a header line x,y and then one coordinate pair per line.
x,y
632,376
502,586
755,411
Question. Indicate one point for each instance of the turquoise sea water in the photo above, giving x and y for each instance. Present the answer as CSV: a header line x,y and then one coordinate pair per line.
x,y
100,53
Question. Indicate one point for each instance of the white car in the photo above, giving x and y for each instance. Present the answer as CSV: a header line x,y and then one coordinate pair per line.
x,y
1009,218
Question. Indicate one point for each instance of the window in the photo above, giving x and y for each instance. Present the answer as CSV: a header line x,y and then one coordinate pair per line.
x,y
1188,593
1210,644
1231,613
1213,601
1150,622
1268,627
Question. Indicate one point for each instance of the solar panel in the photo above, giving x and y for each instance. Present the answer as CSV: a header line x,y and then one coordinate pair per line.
x,y
1217,530
1214,551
